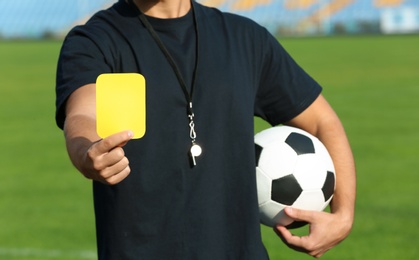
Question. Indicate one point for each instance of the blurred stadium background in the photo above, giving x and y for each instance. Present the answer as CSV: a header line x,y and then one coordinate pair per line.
x,y
53,18
46,208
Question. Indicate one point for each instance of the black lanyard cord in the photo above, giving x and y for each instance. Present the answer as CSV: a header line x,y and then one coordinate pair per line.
x,y
195,149
169,58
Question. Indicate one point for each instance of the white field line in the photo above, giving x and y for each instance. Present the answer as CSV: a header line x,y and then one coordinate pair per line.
x,y
42,253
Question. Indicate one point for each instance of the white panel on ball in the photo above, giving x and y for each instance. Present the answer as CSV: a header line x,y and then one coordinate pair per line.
x,y
272,213
279,165
310,172
264,184
310,200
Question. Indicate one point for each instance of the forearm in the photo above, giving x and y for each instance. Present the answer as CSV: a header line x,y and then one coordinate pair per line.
x,y
326,230
321,121
80,134
333,136
80,125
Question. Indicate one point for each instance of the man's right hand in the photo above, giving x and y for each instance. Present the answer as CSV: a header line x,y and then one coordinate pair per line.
x,y
105,159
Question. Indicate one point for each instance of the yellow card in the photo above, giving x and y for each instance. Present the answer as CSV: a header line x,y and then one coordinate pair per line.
x,y
120,104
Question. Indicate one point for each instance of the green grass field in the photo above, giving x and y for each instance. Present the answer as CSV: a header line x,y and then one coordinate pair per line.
x,y
46,207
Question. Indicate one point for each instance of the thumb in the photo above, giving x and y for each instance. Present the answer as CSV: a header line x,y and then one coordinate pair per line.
x,y
116,140
127,136
299,214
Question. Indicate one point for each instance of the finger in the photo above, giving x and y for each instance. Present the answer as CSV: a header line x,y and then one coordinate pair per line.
x,y
117,178
113,141
107,159
282,233
115,168
292,241
113,156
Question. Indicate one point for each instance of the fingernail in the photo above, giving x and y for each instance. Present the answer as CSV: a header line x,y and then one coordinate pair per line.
x,y
130,134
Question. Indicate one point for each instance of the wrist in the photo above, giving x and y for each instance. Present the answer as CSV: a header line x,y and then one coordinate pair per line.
x,y
345,216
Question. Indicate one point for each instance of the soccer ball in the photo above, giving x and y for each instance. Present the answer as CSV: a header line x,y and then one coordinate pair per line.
x,y
293,168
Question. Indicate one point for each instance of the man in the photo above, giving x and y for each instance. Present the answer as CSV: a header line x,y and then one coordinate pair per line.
x,y
208,73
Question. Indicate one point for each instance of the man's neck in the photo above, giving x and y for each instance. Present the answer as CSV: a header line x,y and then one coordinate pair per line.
x,y
164,8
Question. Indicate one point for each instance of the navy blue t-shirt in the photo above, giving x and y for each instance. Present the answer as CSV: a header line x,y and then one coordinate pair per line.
x,y
166,209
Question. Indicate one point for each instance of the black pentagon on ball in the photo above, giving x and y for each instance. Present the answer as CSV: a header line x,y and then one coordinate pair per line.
x,y
329,186
258,151
300,143
286,190
296,224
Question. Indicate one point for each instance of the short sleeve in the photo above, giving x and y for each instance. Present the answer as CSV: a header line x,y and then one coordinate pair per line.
x,y
82,59
285,89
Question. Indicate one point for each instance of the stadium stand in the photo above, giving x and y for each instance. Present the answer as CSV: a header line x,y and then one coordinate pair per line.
x,y
387,3
34,19
329,9
29,18
299,4
302,17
